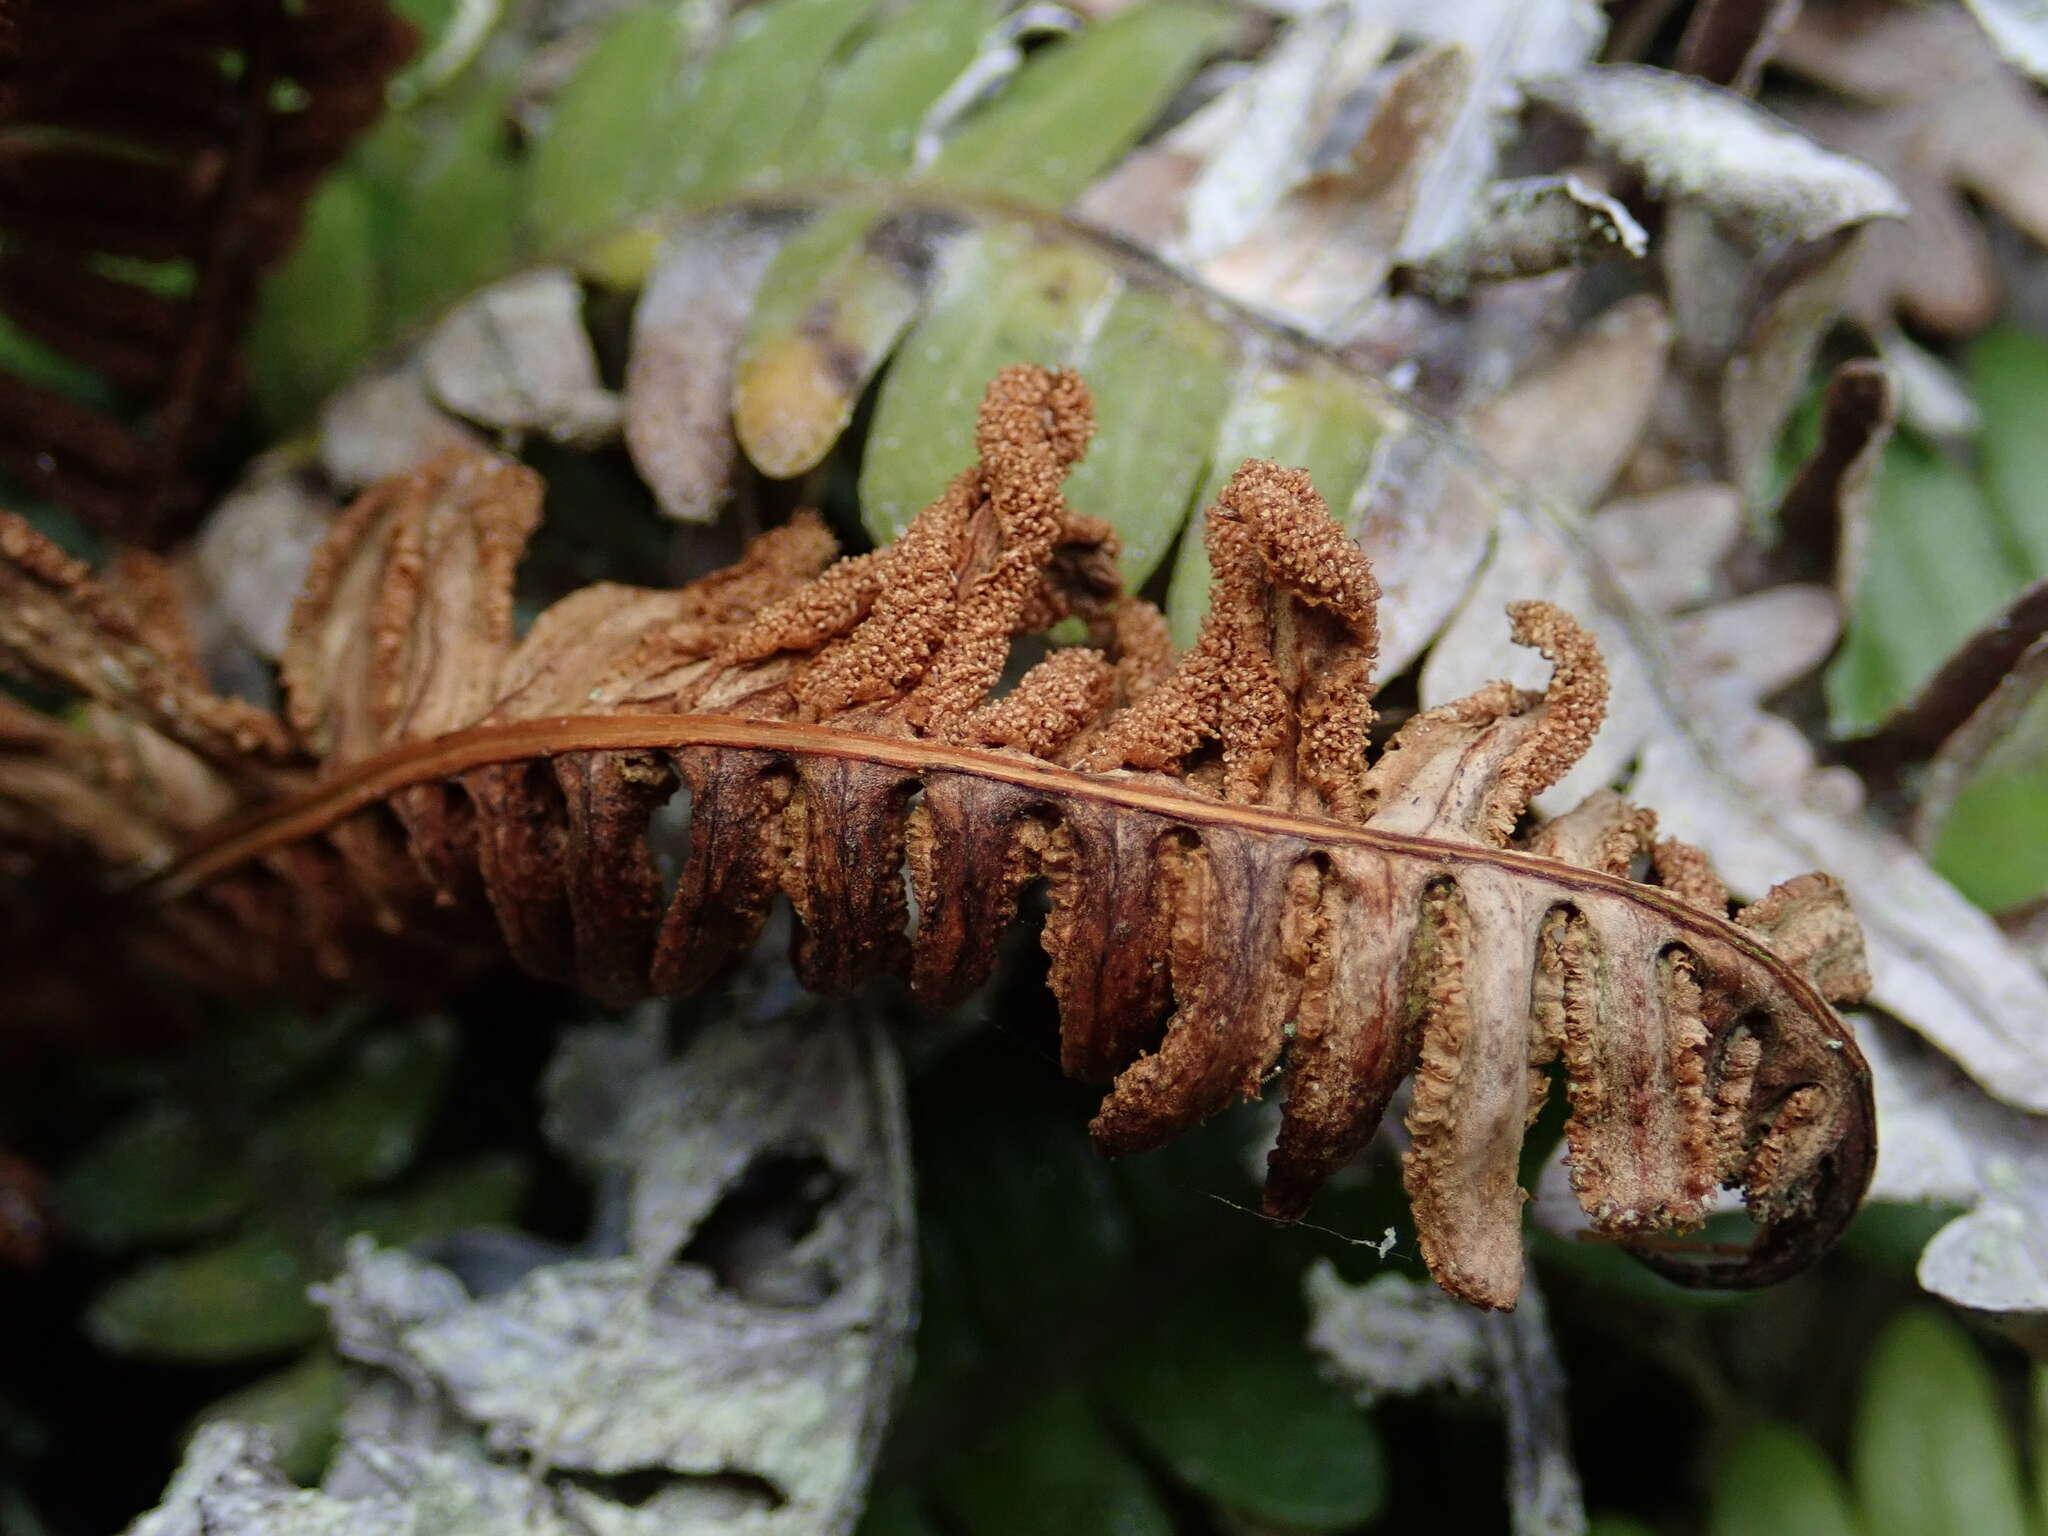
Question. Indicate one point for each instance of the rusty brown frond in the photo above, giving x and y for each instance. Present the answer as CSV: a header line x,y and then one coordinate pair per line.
x,y
1239,891
154,160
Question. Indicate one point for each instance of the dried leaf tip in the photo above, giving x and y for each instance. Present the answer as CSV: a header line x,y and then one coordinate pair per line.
x,y
1280,676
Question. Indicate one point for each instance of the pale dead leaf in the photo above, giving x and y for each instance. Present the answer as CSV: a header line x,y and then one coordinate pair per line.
x,y
1946,1142
772,1356
252,554
1738,782
1695,142
1507,44
517,358
1322,253
382,423
686,336
1526,228
1941,114
2019,30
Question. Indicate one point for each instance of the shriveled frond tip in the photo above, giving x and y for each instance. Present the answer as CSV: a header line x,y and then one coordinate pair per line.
x,y
1304,549
1026,406
1808,921
1574,703
1686,871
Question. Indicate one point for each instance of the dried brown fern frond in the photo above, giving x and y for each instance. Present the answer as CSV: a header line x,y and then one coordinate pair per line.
x,y
1238,889
154,161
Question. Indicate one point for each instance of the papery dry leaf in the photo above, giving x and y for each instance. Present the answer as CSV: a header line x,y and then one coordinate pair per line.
x,y
686,336
1945,118
1956,1146
516,357
1237,888
1297,189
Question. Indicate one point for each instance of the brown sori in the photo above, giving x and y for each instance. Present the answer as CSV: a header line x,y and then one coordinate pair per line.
x,y
1239,888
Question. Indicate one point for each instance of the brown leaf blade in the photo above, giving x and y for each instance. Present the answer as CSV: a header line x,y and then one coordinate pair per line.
x,y
1239,886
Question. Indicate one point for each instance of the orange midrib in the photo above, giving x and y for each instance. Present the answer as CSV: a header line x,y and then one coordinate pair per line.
x,y
364,783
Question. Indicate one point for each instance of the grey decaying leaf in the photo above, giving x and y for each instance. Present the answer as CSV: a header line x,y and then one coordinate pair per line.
x,y
517,358
1507,44
1945,1141
2019,28
1527,227
751,1379
382,423
1297,188
1395,1337
1759,246
1934,107
1324,251
686,334
253,552
1768,184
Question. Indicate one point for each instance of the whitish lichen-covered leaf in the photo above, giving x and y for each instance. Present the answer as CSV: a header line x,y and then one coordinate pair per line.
x,y
299,1408
231,1485
765,1349
1696,142
1758,246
